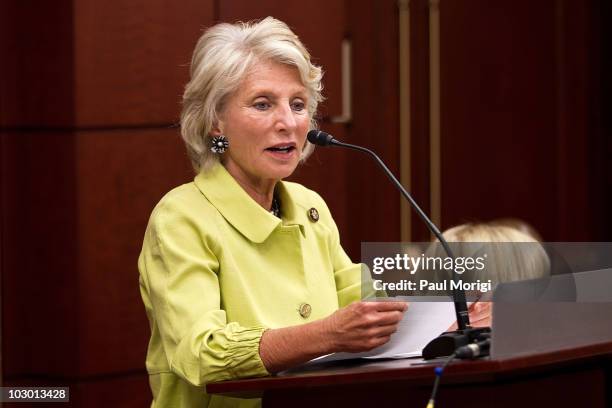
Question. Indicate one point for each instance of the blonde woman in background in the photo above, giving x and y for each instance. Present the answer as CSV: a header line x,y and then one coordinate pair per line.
x,y
519,225
512,255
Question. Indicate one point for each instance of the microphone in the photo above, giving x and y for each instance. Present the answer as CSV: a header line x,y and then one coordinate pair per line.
x,y
320,138
446,343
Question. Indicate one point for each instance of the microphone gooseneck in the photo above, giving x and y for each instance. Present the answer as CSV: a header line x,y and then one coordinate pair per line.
x,y
320,138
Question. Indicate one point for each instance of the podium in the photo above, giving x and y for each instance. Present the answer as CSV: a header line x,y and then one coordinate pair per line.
x,y
549,350
575,377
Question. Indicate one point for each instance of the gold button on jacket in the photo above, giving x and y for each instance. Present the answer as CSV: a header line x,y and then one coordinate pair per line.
x,y
216,270
305,310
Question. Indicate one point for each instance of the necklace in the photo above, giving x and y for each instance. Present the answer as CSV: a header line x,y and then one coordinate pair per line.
x,y
275,210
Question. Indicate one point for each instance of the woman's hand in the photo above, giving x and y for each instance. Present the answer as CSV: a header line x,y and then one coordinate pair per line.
x,y
480,315
359,326
362,326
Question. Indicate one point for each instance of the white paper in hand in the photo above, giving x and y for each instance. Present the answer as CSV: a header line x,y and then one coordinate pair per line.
x,y
422,322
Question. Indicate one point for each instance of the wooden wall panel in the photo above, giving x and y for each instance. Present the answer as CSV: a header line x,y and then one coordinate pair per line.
x,y
127,391
374,214
508,114
498,114
419,115
121,175
39,285
71,302
578,108
132,59
601,171
37,72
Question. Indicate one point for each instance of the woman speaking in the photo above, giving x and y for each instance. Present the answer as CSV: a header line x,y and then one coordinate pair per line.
x,y
242,274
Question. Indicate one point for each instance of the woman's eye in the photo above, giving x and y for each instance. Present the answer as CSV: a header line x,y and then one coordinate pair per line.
x,y
261,105
298,106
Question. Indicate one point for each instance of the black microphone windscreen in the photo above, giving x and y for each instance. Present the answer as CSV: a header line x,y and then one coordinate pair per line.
x,y
319,138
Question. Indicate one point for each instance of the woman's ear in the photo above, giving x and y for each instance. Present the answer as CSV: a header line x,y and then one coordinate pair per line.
x,y
216,129
218,124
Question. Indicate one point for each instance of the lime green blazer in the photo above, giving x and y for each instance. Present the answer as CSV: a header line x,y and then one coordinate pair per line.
x,y
217,269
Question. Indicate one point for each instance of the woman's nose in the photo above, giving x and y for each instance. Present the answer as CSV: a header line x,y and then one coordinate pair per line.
x,y
285,120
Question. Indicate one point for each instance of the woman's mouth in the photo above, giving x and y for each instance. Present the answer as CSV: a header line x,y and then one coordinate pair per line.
x,y
282,150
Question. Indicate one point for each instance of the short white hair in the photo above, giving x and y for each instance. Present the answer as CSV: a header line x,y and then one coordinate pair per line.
x,y
526,259
222,57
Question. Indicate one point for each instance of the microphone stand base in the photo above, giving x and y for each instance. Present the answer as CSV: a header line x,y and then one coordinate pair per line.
x,y
446,343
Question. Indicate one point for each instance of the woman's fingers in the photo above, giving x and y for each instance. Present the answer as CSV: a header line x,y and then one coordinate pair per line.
x,y
378,341
384,330
385,313
389,306
384,319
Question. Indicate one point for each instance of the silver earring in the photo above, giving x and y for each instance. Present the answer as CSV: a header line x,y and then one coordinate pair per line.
x,y
219,144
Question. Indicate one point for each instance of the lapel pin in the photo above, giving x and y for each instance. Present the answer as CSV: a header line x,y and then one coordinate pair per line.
x,y
313,214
